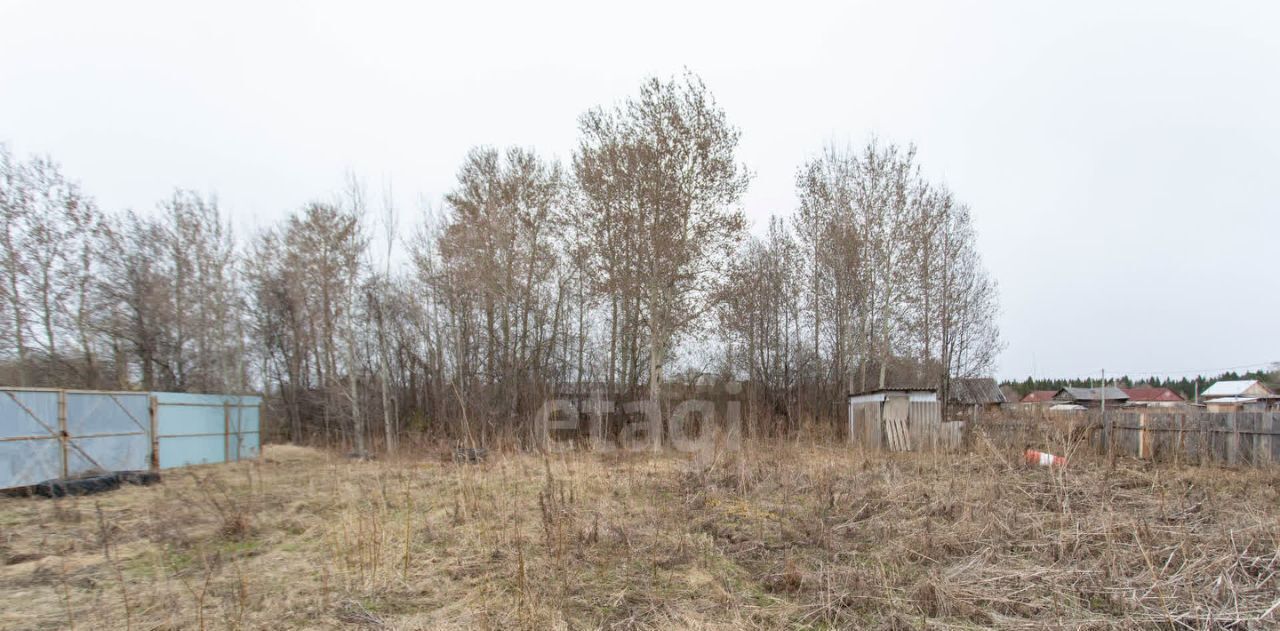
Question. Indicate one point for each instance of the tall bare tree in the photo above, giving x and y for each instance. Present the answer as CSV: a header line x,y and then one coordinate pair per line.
x,y
49,236
891,260
762,319
497,270
660,177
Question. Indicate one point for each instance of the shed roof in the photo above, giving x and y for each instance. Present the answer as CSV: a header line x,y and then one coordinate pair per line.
x,y
1153,395
880,394
1110,393
875,390
975,391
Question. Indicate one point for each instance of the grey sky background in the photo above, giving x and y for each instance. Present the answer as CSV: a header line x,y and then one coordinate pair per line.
x,y
1121,161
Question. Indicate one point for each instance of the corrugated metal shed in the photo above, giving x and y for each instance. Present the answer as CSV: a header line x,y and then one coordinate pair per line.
x,y
975,391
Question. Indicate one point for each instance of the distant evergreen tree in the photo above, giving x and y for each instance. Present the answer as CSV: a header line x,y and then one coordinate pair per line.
x,y
1184,385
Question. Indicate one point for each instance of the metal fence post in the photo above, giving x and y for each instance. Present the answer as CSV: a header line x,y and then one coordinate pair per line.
x,y
259,433
63,437
153,412
226,431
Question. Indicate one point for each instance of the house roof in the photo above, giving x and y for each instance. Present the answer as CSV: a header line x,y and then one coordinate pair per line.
x,y
1153,395
1039,396
1110,393
974,391
1234,388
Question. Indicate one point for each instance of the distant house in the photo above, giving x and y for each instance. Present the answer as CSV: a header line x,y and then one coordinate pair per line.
x,y
968,397
1155,397
980,391
1091,397
1240,388
1039,397
1247,395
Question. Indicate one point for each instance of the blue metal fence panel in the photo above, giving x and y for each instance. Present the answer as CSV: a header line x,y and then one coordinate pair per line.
x,y
108,431
243,435
30,447
246,423
182,451
205,428
47,434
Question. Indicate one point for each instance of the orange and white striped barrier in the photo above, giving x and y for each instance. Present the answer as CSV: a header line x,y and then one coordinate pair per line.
x,y
1045,459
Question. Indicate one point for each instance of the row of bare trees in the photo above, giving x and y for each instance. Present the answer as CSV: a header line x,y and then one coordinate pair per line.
x,y
627,269
97,300
876,281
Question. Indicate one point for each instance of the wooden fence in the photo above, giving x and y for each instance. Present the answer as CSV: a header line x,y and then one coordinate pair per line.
x,y
1231,438
897,424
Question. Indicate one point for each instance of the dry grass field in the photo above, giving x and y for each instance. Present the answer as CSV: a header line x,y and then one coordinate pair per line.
x,y
774,536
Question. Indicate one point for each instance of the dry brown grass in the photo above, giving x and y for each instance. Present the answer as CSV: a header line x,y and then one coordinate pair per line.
x,y
777,535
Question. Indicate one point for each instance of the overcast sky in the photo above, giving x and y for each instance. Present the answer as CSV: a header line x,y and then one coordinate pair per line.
x,y
1122,162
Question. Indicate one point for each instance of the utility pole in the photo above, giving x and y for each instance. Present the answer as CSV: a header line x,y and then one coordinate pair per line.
x,y
1111,429
1103,395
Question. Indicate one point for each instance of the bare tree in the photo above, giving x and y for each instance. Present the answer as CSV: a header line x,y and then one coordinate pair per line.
x,y
659,174
762,319
894,272
305,281
496,269
15,220
48,255
377,296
